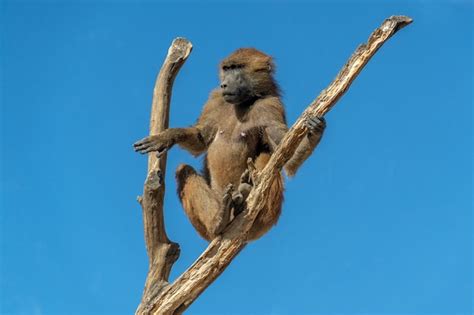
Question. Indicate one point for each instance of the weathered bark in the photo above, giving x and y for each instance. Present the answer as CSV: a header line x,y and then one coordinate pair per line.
x,y
176,297
162,253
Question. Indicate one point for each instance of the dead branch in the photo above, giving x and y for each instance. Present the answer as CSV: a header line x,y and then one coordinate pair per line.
x,y
162,253
176,297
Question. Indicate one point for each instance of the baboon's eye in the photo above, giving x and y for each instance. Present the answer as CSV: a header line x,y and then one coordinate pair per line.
x,y
232,67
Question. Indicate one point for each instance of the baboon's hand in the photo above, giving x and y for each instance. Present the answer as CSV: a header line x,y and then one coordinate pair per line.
x,y
227,201
245,186
158,143
240,196
315,125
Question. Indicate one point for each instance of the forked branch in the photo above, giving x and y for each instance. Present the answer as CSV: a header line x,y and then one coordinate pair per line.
x,y
176,297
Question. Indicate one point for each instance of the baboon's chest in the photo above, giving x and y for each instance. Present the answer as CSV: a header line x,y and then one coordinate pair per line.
x,y
234,139
228,153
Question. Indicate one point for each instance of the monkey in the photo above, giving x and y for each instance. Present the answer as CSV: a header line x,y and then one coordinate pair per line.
x,y
243,118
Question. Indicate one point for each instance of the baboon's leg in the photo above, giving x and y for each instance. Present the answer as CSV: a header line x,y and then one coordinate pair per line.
x,y
208,212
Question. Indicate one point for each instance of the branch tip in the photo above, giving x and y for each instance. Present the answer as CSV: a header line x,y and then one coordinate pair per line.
x,y
179,50
396,23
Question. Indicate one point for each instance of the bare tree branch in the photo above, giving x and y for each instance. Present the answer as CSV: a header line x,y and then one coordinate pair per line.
x,y
176,297
162,252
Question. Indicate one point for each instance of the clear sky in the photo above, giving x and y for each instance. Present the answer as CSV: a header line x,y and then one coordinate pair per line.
x,y
378,220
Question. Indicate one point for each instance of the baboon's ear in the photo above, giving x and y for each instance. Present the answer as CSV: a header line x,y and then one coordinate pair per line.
x,y
270,65
265,65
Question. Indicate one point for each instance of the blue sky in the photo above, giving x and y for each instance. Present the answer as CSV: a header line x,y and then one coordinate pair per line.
x,y
378,220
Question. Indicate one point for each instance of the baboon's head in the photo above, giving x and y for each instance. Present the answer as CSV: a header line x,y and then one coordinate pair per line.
x,y
246,75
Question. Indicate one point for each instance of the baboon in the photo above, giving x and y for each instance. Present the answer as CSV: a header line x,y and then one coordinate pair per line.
x,y
243,118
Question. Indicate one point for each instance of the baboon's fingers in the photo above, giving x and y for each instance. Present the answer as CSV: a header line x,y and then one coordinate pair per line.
x,y
252,171
141,148
228,189
316,123
244,190
142,142
251,165
237,198
245,177
144,146
151,148
227,197
159,153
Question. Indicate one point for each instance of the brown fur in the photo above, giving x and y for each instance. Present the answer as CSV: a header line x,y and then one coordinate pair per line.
x,y
237,136
230,134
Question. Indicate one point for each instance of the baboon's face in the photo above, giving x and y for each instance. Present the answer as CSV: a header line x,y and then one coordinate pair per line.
x,y
235,84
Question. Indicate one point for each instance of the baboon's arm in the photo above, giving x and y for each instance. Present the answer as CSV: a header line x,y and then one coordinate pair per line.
x,y
194,139
275,132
